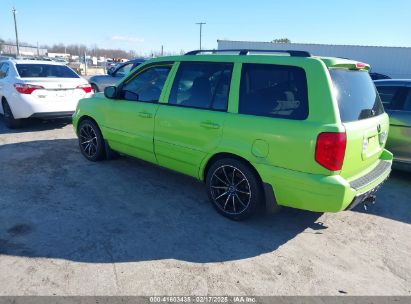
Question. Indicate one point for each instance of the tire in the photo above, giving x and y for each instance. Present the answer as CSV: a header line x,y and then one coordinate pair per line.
x,y
94,88
8,117
90,140
234,188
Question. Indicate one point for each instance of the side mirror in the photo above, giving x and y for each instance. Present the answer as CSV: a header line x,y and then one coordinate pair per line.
x,y
110,92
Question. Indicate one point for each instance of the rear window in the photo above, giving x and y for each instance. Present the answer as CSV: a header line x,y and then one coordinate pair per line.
x,y
45,71
356,95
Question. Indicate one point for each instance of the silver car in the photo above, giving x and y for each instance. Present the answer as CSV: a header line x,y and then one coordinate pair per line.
x,y
100,82
396,97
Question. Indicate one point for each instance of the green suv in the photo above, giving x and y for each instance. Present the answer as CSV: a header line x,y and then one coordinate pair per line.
x,y
280,128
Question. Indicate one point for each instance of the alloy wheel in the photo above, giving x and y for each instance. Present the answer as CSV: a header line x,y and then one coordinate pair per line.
x,y
88,140
230,190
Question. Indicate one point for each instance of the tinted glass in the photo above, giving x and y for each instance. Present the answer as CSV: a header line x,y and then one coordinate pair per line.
x,y
356,95
45,70
387,95
204,85
146,86
407,103
273,91
4,69
124,70
392,97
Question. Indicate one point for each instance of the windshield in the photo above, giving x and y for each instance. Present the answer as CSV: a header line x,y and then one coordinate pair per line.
x,y
356,95
45,71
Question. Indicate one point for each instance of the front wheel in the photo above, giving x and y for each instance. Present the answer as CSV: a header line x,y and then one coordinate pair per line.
x,y
91,141
234,188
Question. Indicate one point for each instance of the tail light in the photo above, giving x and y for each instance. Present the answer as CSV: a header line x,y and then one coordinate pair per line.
x,y
25,88
85,87
330,150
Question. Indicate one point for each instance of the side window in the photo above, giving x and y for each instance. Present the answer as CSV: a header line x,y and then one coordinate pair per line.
x,y
407,103
4,70
124,70
273,91
203,85
392,97
146,86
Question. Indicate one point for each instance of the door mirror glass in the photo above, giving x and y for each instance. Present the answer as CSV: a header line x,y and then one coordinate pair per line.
x,y
110,92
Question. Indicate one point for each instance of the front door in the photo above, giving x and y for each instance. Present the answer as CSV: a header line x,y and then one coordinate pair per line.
x,y
190,125
129,124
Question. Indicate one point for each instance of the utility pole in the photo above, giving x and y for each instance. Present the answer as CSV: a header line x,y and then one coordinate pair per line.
x,y
162,50
38,51
201,30
15,29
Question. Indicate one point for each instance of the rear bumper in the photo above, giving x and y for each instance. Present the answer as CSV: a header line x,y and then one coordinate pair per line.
x,y
324,193
27,106
52,114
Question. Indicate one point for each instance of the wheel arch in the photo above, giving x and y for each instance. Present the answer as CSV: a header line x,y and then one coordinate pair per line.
x,y
96,85
221,155
4,99
86,117
270,201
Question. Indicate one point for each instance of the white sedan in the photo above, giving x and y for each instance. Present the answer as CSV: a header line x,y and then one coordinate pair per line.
x,y
42,89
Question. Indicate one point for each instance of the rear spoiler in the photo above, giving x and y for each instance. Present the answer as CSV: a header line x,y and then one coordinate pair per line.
x,y
352,66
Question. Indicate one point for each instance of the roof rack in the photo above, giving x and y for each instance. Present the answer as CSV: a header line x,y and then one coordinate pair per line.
x,y
292,53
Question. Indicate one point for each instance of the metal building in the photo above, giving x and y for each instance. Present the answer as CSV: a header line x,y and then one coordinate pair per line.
x,y
392,61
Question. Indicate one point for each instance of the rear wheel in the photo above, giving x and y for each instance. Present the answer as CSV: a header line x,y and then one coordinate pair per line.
x,y
8,116
234,188
91,141
94,88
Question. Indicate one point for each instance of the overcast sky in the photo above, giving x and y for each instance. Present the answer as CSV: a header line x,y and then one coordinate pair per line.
x,y
146,25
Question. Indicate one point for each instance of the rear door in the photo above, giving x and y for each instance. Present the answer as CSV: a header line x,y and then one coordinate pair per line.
x,y
190,125
363,117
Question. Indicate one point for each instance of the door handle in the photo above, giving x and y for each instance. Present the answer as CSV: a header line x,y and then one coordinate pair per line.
x,y
209,125
145,114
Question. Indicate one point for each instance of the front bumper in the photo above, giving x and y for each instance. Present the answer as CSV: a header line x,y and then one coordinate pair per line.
x,y
322,193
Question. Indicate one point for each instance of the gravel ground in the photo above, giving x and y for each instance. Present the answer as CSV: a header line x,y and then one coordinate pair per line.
x,y
125,227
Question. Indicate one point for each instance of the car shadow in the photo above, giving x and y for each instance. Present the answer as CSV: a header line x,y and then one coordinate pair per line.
x,y
55,204
35,124
394,204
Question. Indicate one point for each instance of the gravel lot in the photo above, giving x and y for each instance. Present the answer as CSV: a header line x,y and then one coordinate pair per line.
x,y
125,227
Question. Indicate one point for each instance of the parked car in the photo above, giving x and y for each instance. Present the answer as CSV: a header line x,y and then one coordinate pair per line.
x,y
396,97
44,89
256,128
100,82
376,76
